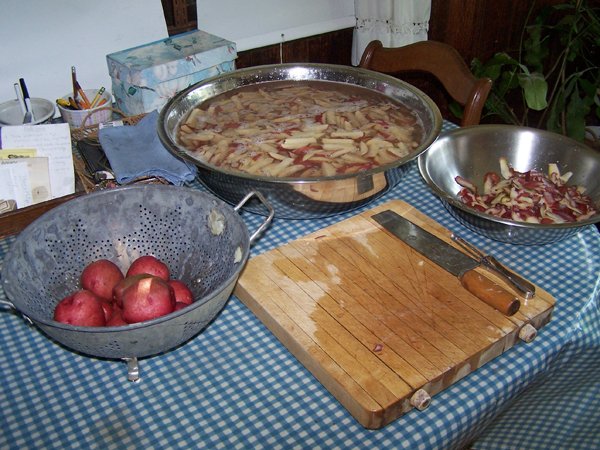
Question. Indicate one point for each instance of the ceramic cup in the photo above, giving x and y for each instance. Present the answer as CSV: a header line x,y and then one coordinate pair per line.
x,y
99,114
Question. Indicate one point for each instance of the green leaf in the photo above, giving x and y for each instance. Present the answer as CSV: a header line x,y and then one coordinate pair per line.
x,y
535,90
554,121
534,51
577,110
494,67
592,91
456,109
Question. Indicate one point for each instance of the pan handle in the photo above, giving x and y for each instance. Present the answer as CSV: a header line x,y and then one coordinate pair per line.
x,y
266,222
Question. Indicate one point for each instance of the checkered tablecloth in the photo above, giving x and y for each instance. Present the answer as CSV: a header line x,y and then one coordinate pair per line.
x,y
235,386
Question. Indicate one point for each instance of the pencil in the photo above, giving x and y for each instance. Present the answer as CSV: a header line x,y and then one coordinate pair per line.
x,y
85,101
73,103
97,97
74,81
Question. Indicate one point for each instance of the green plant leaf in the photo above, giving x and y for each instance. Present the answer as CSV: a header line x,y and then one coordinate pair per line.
x,y
455,109
493,67
535,49
535,89
555,77
592,91
576,112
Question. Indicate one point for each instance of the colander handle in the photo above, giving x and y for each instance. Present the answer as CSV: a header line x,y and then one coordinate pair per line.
x,y
7,303
266,222
13,307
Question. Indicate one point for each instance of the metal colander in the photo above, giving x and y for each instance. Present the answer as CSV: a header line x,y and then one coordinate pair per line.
x,y
202,239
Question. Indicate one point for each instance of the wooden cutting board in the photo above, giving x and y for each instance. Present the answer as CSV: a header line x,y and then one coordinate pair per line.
x,y
380,326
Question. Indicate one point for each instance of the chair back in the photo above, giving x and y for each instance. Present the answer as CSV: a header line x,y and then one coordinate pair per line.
x,y
440,60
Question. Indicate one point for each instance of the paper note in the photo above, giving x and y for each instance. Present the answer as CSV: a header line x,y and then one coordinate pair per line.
x,y
52,141
26,180
15,183
10,153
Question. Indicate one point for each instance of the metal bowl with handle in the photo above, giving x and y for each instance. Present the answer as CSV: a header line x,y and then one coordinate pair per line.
x,y
471,152
202,239
297,197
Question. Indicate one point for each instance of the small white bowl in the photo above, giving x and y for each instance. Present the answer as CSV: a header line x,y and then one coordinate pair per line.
x,y
11,114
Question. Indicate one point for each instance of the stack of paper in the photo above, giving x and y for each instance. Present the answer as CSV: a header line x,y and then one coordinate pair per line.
x,y
36,163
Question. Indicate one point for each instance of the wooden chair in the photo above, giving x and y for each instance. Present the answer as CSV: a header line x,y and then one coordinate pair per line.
x,y
440,60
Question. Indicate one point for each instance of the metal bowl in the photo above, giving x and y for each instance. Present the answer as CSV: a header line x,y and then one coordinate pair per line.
x,y
297,197
473,151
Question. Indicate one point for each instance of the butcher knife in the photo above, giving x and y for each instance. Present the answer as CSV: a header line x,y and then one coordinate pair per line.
x,y
450,259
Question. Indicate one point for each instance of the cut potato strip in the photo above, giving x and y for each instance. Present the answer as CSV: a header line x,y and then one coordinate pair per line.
x,y
331,147
294,143
353,134
337,141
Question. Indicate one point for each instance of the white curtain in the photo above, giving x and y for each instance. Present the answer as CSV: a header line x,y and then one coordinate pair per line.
x,y
393,22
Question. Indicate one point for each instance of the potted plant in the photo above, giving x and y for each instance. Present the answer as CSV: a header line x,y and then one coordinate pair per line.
x,y
553,80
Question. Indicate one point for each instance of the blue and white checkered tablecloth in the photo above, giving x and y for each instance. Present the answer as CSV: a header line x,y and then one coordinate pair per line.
x,y
235,386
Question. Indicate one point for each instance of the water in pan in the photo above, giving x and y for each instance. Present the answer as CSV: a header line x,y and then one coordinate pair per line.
x,y
302,129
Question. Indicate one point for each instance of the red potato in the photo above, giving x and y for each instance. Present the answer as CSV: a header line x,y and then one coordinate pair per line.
x,y
179,305
83,308
116,319
150,265
100,277
107,307
146,299
124,284
182,292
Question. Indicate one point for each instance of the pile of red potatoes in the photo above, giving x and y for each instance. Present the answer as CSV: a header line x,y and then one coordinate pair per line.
x,y
107,297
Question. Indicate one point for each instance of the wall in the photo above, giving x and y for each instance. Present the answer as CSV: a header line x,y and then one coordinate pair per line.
x,y
480,28
258,23
334,47
42,39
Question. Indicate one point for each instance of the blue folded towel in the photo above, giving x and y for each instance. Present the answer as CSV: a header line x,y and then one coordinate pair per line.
x,y
136,151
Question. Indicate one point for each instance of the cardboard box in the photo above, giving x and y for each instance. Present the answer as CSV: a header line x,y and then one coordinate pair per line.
x,y
144,78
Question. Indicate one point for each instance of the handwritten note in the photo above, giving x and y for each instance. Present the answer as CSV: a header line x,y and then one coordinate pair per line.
x,y
52,141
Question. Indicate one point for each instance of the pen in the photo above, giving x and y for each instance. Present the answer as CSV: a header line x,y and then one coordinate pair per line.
x,y
26,97
20,98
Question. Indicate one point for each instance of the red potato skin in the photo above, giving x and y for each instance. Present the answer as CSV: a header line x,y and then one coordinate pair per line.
x,y
182,292
107,307
100,277
179,305
146,299
124,284
150,265
82,308
116,319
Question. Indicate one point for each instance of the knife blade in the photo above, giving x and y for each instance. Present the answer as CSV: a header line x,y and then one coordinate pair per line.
x,y
452,260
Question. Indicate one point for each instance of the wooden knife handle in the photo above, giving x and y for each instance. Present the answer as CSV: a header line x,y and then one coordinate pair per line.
x,y
491,293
